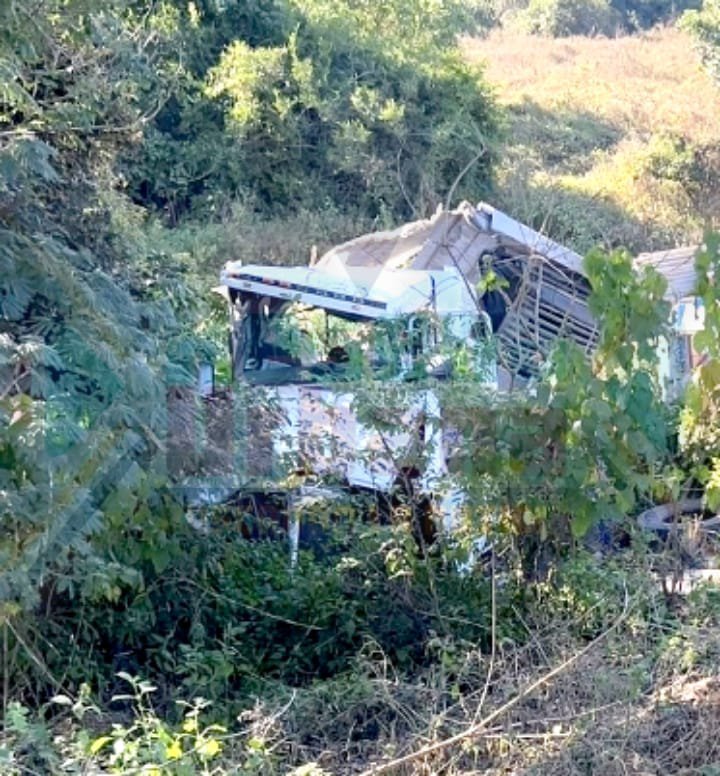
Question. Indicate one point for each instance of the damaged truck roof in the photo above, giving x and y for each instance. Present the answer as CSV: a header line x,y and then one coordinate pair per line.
x,y
543,291
539,294
355,291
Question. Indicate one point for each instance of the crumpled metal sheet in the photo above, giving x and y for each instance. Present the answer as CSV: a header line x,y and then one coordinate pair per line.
x,y
449,238
542,288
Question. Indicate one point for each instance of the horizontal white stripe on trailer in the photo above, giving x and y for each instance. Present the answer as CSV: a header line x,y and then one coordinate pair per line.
x,y
316,296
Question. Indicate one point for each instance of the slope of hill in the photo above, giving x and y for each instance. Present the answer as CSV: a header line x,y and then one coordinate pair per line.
x,y
609,140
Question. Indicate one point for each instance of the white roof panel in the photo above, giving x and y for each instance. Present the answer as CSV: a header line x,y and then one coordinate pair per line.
x,y
371,292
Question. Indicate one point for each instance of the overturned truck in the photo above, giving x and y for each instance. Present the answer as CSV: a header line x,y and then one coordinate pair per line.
x,y
538,292
469,289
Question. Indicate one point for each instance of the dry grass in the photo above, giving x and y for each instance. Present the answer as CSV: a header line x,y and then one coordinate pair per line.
x,y
586,116
639,83
632,704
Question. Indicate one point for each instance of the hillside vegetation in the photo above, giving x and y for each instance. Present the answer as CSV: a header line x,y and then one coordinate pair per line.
x,y
144,144
611,141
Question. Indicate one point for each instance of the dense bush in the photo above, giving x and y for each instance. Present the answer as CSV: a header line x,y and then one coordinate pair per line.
x,y
218,616
643,14
85,349
704,24
559,18
368,107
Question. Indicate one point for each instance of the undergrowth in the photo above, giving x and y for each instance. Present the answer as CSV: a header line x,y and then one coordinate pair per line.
x,y
350,660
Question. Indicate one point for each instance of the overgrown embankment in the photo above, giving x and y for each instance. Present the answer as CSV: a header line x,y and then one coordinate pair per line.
x,y
142,146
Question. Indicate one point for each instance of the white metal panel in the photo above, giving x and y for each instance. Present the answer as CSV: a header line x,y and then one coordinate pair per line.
x,y
490,219
371,294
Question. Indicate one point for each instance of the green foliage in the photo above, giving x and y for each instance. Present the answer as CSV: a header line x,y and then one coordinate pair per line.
x,y
225,613
151,745
631,311
27,743
85,349
581,447
643,14
588,591
334,106
704,24
559,18
692,169
322,115
700,416
146,743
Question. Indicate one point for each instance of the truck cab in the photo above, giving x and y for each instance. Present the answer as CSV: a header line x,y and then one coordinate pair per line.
x,y
318,350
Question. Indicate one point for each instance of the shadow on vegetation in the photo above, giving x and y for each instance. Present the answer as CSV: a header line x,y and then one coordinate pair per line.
x,y
576,219
564,140
544,145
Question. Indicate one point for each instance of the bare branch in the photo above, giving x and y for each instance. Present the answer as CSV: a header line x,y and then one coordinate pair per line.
x,y
480,728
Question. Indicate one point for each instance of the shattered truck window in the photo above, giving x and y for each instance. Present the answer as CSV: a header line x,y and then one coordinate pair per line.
x,y
298,343
292,343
